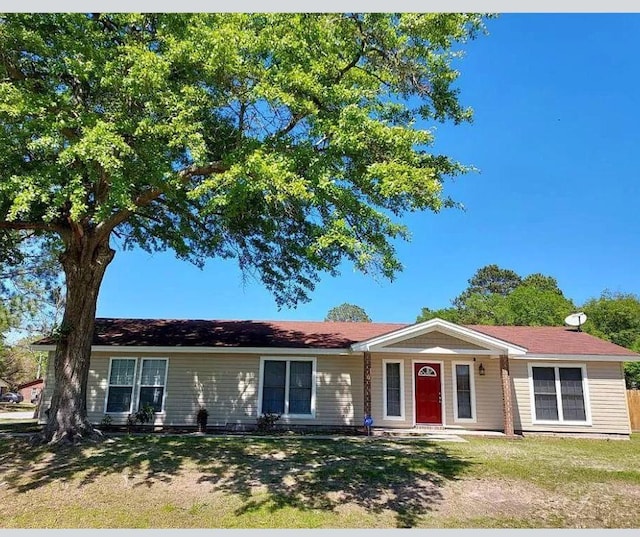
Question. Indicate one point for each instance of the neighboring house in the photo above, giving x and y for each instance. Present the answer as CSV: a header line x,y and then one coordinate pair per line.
x,y
331,374
31,391
4,386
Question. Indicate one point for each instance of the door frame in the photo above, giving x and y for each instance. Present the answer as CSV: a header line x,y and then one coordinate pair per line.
x,y
413,385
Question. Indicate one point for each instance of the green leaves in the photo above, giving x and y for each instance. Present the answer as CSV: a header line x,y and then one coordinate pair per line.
x,y
497,296
347,313
114,120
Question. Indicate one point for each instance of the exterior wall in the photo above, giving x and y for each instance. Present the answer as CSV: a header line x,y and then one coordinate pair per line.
x,y
434,339
31,392
227,385
488,391
606,393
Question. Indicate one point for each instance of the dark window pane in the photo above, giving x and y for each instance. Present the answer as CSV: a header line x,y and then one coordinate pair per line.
x,y
544,390
463,389
572,396
273,400
300,380
300,375
299,400
273,389
275,373
393,390
119,399
152,396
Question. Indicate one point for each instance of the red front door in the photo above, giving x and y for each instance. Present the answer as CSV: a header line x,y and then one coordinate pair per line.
x,y
428,393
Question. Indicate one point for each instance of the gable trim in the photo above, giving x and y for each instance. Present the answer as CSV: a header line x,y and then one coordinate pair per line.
x,y
451,329
436,350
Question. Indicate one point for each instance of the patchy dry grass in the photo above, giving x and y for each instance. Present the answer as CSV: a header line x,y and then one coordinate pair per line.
x,y
236,482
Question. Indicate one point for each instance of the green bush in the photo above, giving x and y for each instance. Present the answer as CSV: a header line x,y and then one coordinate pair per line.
x,y
267,421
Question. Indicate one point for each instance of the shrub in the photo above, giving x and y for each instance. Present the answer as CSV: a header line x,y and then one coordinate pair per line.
x,y
201,418
145,414
267,421
106,421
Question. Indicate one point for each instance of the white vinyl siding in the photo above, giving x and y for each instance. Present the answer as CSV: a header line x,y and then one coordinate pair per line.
x,y
606,400
487,389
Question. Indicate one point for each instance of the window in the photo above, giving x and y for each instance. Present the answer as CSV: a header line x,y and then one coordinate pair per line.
x,y
393,389
152,382
427,371
464,389
129,381
287,386
120,391
559,393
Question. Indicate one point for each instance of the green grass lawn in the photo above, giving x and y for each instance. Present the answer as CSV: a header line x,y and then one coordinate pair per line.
x,y
274,482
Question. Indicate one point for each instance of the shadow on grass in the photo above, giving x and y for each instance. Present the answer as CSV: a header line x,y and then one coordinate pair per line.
x,y
378,475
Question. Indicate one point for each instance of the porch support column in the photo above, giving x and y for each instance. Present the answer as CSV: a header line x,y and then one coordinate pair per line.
x,y
367,383
507,397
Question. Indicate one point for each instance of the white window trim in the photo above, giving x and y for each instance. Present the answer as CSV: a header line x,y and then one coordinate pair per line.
x,y
139,385
442,392
384,390
472,385
133,385
288,359
585,394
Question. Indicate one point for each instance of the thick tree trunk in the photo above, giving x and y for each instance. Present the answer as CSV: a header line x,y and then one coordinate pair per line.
x,y
84,262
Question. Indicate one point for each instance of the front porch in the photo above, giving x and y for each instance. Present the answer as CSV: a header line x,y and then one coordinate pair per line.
x,y
439,378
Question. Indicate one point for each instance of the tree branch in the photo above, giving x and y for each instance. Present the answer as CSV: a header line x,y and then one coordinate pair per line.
x,y
104,228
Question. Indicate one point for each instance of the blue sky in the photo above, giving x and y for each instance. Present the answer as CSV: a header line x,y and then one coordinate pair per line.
x,y
555,137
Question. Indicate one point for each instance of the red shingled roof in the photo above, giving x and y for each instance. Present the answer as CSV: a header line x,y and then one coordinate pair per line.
x,y
323,335
553,340
217,333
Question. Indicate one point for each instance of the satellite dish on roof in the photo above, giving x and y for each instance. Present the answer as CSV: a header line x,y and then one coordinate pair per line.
x,y
576,319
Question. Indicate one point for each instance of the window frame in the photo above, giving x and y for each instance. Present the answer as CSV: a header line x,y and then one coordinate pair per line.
x,y
109,385
472,390
385,416
139,384
556,372
288,359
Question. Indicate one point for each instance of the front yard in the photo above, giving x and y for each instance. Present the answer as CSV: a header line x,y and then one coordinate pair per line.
x,y
274,482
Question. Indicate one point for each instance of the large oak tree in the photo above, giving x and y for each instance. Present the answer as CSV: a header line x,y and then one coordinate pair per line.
x,y
285,141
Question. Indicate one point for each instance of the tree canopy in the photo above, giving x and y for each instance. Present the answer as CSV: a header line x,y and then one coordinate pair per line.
x,y
489,280
288,142
498,296
615,316
267,138
347,313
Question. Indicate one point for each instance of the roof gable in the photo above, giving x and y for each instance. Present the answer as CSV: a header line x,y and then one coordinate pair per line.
x,y
435,339
466,335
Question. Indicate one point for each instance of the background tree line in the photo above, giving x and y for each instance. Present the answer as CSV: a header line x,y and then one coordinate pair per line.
x,y
32,299
499,296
